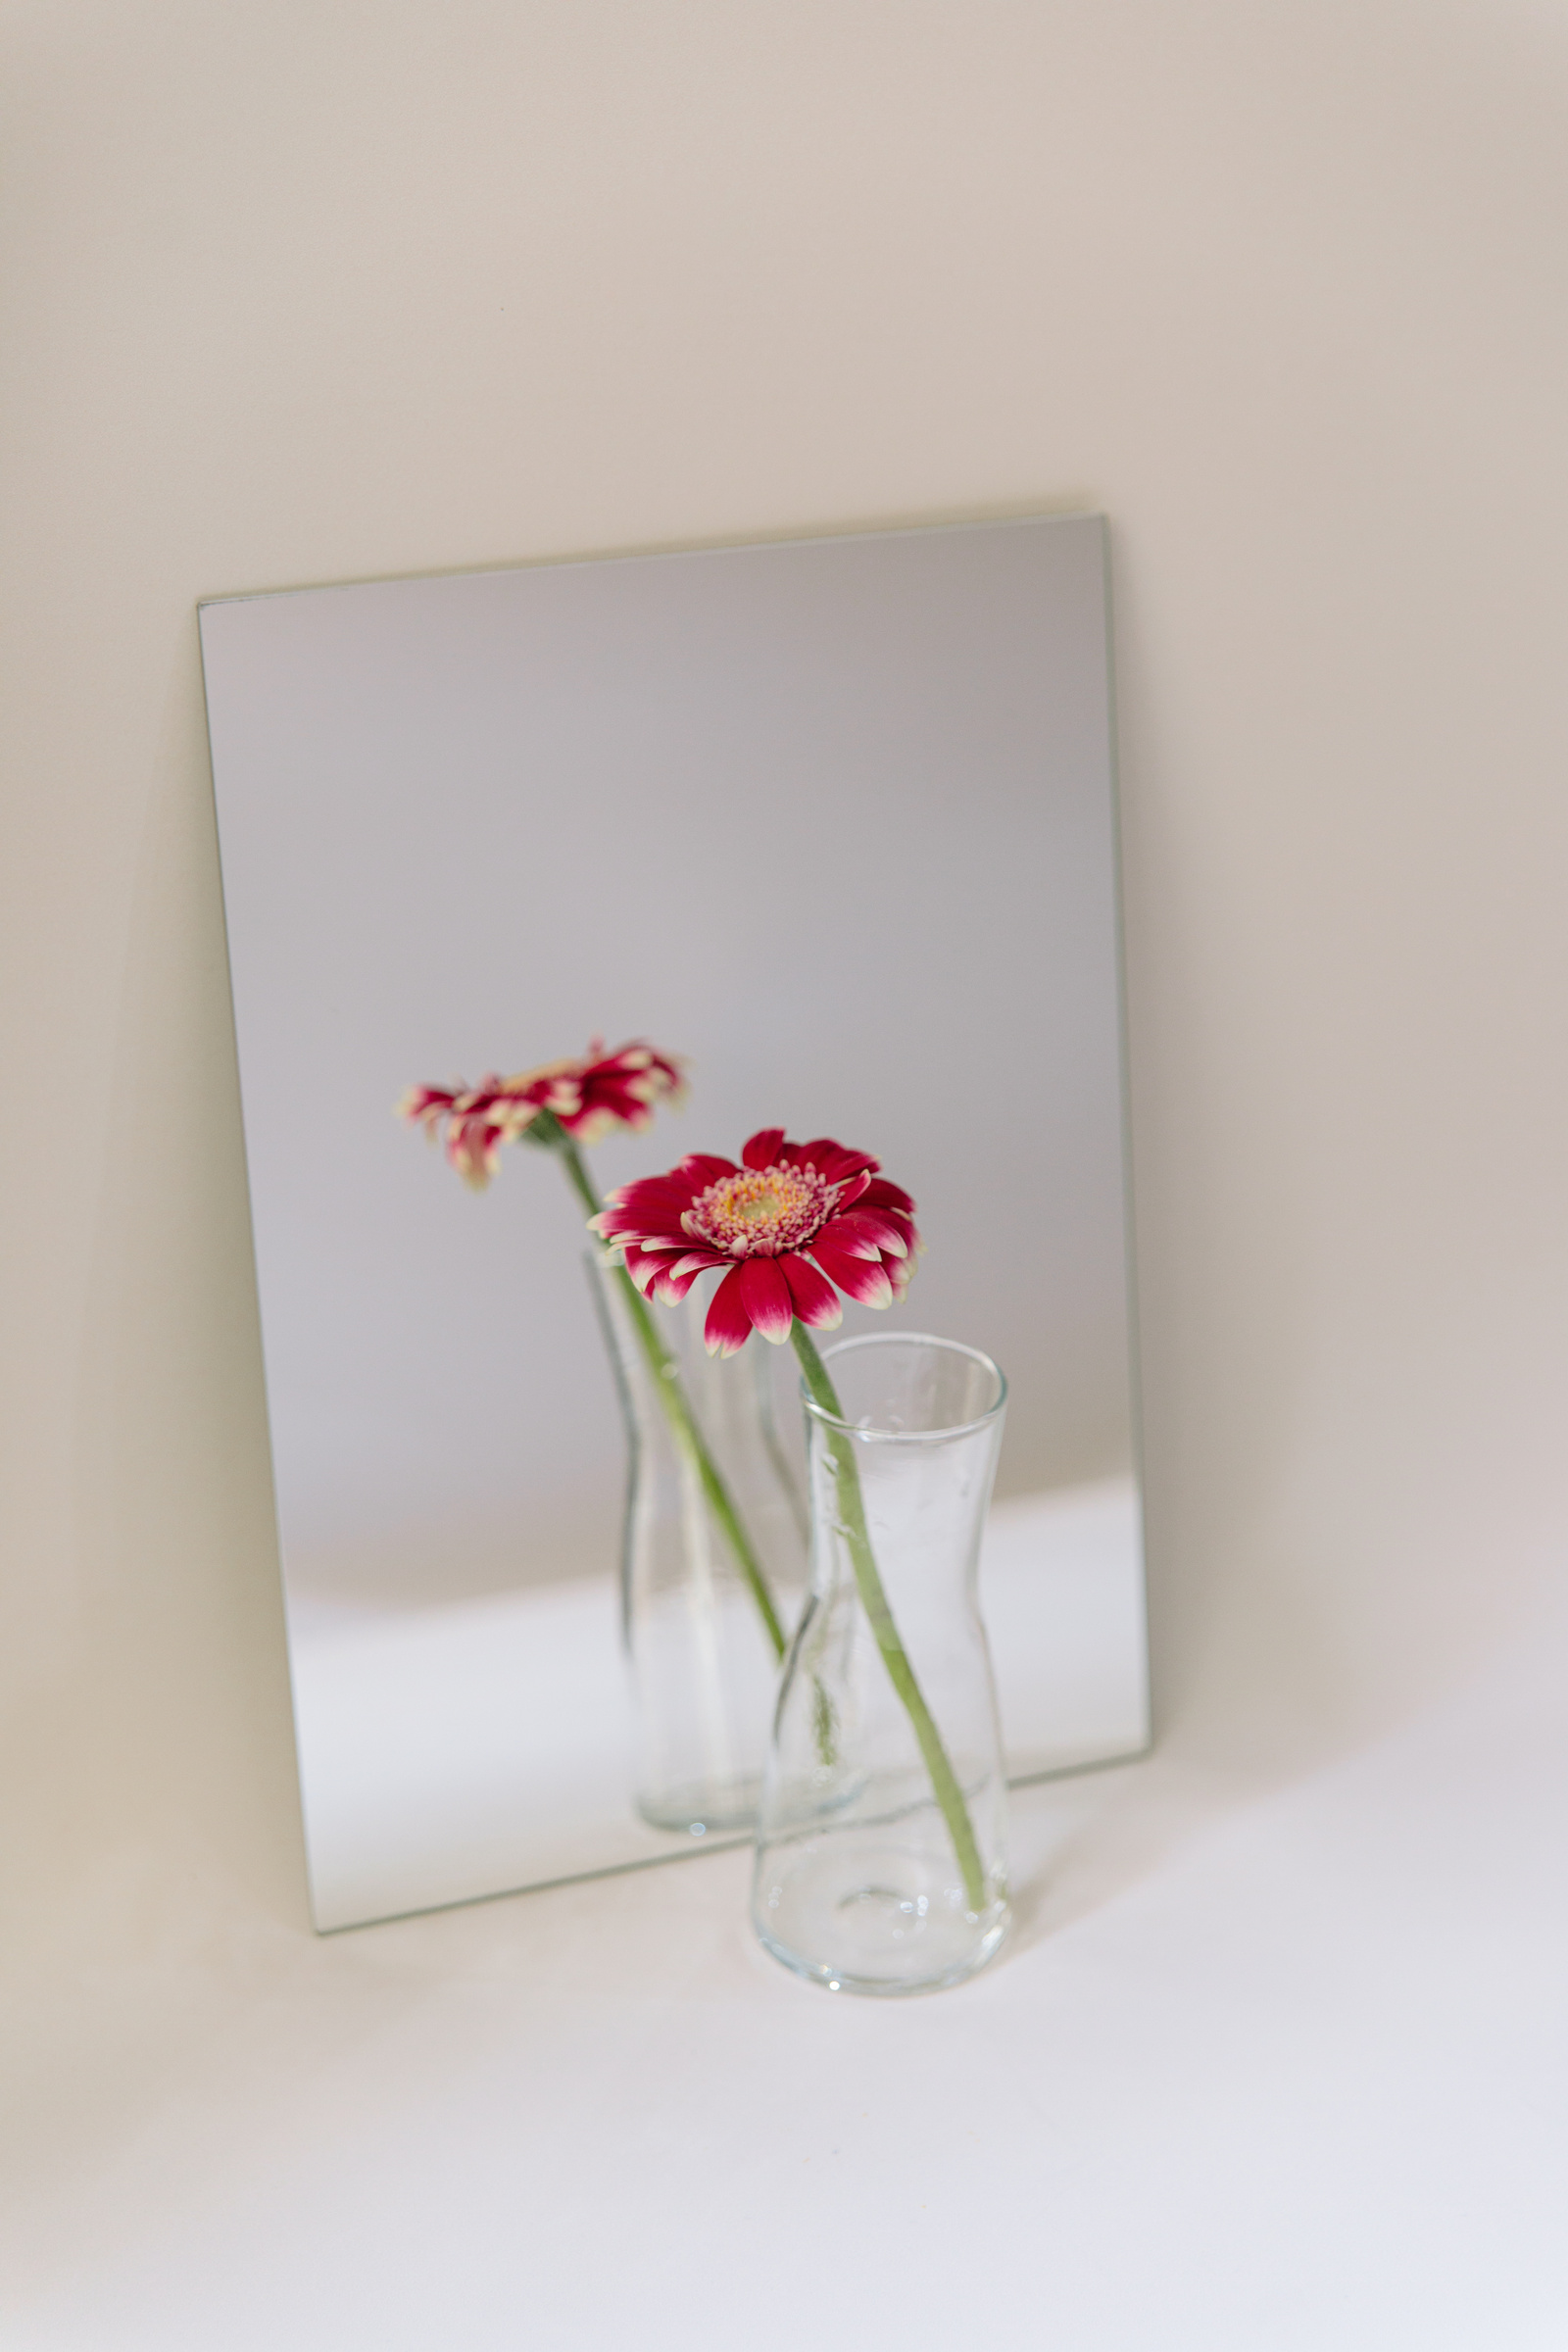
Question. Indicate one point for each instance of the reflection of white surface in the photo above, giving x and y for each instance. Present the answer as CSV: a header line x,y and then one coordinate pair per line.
x,y
1061,1587
446,1753
453,1752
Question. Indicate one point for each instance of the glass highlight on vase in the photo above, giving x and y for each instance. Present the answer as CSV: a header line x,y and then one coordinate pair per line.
x,y
712,1558
881,1841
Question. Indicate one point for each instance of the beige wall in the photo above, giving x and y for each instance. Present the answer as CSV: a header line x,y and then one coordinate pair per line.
x,y
298,293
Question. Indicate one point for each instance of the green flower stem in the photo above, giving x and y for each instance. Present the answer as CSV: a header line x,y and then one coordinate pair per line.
x,y
852,1513
666,1383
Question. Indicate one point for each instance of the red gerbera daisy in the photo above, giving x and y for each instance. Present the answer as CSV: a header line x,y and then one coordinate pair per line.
x,y
586,1097
789,1223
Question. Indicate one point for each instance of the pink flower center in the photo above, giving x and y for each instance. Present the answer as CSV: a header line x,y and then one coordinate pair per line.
x,y
761,1211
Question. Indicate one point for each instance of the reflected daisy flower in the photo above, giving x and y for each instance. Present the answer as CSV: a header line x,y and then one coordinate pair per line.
x,y
585,1098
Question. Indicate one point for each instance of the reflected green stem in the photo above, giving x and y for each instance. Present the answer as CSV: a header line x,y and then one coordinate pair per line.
x,y
875,1601
677,1409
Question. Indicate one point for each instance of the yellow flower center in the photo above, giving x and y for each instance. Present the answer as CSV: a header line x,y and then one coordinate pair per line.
x,y
761,1212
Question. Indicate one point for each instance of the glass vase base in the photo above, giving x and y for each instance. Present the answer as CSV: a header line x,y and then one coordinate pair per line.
x,y
704,1810
863,1916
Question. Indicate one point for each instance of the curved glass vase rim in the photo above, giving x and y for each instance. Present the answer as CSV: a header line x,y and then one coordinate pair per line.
x,y
868,1432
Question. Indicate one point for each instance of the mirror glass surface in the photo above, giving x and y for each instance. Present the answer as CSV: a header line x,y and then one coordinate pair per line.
x,y
834,820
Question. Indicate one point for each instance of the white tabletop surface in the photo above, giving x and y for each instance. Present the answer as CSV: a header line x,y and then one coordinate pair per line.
x,y
1273,2061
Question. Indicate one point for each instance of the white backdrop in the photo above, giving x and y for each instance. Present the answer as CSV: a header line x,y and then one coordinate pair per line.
x,y
310,293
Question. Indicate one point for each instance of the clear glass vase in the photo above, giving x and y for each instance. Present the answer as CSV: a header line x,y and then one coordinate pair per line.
x,y
712,1557
881,1839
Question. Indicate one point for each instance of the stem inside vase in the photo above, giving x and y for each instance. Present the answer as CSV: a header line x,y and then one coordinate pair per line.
x,y
875,1601
677,1409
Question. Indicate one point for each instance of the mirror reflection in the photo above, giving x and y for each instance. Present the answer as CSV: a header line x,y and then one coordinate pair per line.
x,y
828,826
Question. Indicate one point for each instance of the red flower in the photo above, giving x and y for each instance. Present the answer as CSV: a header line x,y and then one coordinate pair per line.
x,y
586,1097
788,1205
617,1089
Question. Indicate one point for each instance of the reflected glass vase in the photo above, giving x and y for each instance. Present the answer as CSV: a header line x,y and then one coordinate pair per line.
x,y
881,1854
712,1557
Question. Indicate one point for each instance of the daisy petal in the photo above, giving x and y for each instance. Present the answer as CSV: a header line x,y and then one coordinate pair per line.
x,y
872,1227
761,1150
668,1201
836,1162
644,1268
817,1302
883,1195
700,1169
728,1326
841,1233
860,1278
695,1262
766,1297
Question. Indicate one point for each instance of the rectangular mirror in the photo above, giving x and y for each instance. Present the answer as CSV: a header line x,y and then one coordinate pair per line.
x,y
834,820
